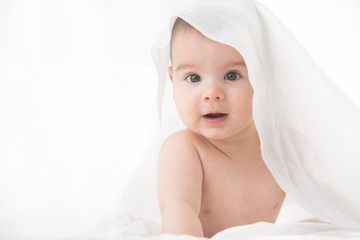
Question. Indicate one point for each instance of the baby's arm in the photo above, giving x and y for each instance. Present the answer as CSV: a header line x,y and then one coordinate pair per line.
x,y
179,185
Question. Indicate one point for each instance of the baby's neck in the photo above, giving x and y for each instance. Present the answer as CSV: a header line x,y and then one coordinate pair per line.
x,y
242,147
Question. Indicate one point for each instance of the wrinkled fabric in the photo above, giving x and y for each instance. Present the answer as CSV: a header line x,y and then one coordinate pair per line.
x,y
308,128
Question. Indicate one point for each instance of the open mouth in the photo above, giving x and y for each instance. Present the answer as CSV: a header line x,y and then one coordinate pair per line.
x,y
215,118
214,115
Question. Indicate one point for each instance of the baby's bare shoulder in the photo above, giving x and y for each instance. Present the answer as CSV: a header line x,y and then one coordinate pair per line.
x,y
186,143
179,146
184,138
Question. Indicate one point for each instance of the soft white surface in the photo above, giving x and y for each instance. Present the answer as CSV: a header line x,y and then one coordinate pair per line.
x,y
73,121
259,231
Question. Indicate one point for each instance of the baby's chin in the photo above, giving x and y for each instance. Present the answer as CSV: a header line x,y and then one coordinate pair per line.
x,y
214,134
224,135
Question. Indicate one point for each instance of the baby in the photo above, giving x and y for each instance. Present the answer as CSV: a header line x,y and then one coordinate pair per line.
x,y
211,176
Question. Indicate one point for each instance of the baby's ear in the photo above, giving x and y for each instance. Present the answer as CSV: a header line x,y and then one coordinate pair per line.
x,y
170,72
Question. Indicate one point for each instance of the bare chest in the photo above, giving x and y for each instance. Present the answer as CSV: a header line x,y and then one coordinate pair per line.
x,y
233,196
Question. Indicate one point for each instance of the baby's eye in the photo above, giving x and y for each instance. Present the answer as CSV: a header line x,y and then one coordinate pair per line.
x,y
193,78
232,76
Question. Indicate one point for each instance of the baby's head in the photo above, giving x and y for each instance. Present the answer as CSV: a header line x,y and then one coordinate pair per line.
x,y
212,91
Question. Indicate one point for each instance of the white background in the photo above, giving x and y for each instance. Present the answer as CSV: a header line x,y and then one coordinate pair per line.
x,y
78,96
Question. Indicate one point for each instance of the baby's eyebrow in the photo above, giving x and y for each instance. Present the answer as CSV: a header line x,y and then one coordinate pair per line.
x,y
182,66
238,63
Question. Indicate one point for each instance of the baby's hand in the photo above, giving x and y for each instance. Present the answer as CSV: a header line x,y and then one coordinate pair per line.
x,y
179,185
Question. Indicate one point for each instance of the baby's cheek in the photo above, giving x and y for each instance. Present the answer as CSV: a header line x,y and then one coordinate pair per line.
x,y
244,106
181,106
246,97
190,115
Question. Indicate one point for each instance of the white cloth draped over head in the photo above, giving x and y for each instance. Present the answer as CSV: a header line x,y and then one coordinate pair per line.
x,y
308,128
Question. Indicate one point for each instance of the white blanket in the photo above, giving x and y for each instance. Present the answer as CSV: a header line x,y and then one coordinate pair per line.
x,y
111,229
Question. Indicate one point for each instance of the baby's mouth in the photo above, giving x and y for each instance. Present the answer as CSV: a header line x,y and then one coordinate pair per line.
x,y
215,118
215,115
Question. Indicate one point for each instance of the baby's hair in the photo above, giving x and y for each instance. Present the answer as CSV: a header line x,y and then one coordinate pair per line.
x,y
180,24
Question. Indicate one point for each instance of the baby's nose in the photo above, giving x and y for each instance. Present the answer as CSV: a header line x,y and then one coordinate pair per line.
x,y
213,92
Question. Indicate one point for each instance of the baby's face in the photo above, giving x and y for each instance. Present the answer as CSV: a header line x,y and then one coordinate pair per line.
x,y
212,91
